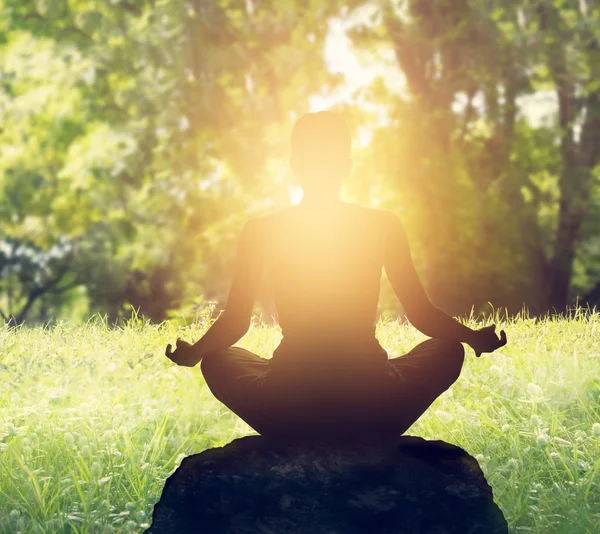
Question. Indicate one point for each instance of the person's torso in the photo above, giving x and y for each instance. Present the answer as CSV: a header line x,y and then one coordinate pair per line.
x,y
324,270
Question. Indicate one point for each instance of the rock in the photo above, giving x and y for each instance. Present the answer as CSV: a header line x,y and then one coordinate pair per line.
x,y
254,485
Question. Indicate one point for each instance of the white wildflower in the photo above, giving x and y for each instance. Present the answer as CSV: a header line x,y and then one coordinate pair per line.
x,y
96,470
535,391
69,439
444,416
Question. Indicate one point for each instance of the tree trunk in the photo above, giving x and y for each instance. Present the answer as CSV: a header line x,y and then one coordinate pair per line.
x,y
578,159
592,297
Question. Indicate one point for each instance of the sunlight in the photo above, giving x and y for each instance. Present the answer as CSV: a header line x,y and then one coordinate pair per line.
x,y
358,72
295,194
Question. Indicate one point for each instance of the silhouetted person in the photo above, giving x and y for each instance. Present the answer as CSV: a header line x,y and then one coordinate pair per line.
x,y
329,376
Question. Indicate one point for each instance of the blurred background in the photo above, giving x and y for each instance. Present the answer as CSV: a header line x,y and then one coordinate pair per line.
x,y
137,137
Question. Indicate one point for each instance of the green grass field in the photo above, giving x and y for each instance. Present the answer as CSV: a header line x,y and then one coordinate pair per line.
x,y
93,420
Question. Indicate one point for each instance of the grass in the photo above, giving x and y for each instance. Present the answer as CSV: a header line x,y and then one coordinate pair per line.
x,y
93,420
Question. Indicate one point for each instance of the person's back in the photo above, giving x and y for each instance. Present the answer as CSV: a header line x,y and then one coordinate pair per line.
x,y
323,260
324,268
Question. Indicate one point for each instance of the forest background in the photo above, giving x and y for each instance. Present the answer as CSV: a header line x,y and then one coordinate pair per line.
x,y
137,137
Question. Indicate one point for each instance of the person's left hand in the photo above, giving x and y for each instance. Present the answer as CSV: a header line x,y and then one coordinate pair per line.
x,y
486,340
184,354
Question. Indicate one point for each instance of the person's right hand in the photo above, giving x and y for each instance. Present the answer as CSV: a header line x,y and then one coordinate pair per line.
x,y
185,354
486,340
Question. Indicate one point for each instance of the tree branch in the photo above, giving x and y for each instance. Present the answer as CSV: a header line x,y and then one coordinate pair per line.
x,y
36,293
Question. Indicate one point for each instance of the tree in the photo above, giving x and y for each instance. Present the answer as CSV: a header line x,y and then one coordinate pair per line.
x,y
158,124
482,207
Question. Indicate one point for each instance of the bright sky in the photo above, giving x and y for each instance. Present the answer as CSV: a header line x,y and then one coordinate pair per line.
x,y
360,70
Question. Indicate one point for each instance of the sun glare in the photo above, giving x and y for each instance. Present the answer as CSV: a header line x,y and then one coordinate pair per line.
x,y
295,194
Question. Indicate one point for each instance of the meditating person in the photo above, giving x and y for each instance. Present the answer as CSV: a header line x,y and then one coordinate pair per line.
x,y
329,378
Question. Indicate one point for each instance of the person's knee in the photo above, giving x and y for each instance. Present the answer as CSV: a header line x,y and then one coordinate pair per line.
x,y
454,353
450,356
210,363
213,368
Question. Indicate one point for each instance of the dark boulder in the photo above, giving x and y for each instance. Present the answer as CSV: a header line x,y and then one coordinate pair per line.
x,y
253,485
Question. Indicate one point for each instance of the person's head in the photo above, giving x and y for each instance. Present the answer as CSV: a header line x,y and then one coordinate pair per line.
x,y
320,146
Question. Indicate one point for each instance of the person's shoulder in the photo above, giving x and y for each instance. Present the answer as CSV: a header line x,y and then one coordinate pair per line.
x,y
261,224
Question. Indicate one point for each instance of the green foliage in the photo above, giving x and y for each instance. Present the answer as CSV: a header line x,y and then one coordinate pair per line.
x,y
145,133
496,201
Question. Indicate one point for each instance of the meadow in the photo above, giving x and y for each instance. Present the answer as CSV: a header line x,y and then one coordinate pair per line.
x,y
93,420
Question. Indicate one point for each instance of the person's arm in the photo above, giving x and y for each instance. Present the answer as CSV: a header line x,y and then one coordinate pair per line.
x,y
234,322
420,311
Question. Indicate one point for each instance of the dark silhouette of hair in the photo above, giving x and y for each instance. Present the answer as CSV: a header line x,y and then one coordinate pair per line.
x,y
321,136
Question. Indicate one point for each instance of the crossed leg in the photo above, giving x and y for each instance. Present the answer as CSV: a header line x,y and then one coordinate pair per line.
x,y
244,382
423,374
237,377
